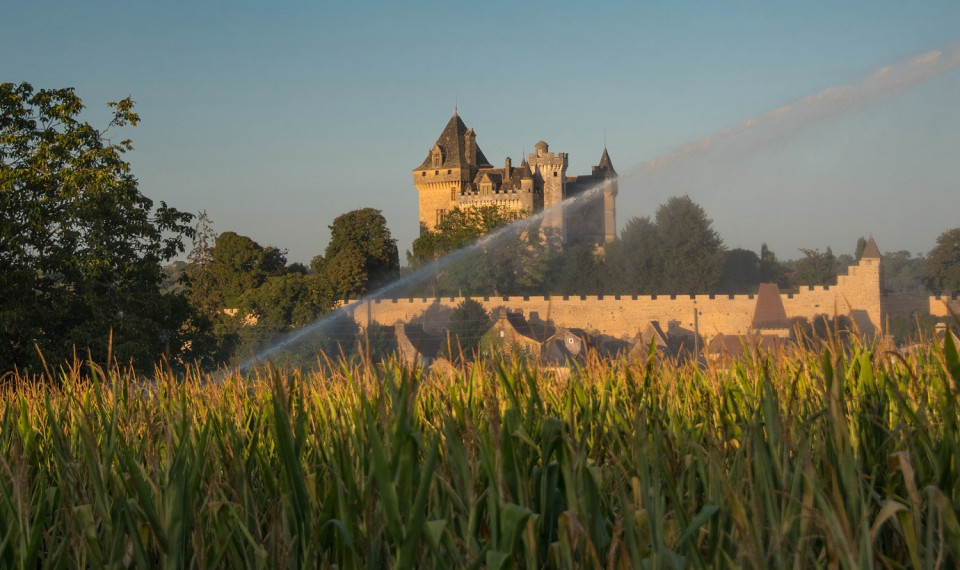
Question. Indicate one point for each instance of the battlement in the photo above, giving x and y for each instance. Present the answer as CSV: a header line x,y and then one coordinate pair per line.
x,y
856,294
943,305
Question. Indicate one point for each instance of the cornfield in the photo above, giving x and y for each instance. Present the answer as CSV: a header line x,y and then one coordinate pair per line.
x,y
840,457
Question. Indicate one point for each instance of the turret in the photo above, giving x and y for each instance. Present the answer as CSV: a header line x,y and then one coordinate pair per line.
x,y
550,171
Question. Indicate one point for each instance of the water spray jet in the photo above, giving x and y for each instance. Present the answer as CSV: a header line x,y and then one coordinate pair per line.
x,y
788,119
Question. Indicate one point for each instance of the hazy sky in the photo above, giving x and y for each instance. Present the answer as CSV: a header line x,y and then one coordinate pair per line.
x,y
275,117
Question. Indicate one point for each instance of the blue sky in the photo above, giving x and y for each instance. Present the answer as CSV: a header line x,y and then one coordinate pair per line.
x,y
277,117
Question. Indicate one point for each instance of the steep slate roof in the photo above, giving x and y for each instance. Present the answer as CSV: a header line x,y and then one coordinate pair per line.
x,y
605,167
871,251
769,312
497,176
452,143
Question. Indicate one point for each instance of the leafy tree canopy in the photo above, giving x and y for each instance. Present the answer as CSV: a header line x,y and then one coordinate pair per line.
x,y
902,273
771,270
361,235
459,228
815,268
239,264
80,246
692,251
741,272
677,253
941,273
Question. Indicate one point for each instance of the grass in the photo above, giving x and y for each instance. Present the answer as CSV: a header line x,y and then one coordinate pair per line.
x,y
829,458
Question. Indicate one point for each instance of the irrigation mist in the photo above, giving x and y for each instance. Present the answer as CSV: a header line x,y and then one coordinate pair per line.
x,y
782,122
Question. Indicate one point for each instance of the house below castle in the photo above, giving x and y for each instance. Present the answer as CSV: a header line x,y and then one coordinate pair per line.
x,y
456,174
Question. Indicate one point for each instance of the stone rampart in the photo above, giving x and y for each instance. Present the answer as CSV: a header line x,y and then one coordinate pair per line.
x,y
942,306
613,315
857,294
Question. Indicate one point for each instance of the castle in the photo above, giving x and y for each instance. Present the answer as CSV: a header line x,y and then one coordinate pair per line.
x,y
456,174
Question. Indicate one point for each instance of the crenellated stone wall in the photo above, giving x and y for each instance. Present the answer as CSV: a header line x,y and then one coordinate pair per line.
x,y
858,294
942,306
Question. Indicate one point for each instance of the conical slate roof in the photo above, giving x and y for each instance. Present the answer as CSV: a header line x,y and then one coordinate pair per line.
x,y
769,312
453,147
606,164
871,251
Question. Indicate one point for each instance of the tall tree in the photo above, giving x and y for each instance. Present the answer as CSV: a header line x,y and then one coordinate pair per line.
x,y
239,264
771,270
365,235
741,272
691,250
458,228
578,271
509,266
815,268
200,278
941,273
80,246
633,259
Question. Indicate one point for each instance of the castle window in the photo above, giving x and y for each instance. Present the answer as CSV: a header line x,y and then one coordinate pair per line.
x,y
436,173
424,173
449,172
437,158
554,174
440,214
453,194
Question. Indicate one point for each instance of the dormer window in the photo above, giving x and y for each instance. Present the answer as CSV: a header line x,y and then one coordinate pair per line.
x,y
437,155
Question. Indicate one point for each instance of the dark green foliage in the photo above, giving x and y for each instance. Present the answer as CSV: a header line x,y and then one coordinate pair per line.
x,y
457,229
815,268
283,301
941,273
633,261
239,264
691,250
678,253
902,273
346,272
80,247
741,272
578,271
771,270
515,264
362,235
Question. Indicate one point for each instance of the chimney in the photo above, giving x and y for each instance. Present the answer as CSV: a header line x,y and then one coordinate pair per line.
x,y
507,169
470,146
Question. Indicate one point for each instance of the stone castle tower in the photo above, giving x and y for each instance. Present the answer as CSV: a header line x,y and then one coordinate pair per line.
x,y
456,174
